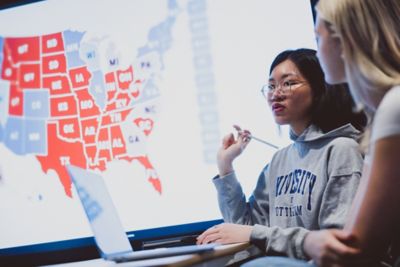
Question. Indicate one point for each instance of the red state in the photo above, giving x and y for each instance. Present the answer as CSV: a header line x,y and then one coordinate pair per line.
x,y
61,153
52,43
23,49
115,117
8,71
79,77
135,90
57,84
63,106
111,87
104,144
16,101
89,130
54,64
125,77
122,101
94,162
87,104
69,128
146,125
29,76
118,145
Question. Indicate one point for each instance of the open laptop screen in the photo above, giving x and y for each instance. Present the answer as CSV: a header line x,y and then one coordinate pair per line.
x,y
141,91
100,211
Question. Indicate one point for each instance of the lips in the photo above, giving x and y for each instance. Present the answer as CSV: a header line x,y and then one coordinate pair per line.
x,y
276,107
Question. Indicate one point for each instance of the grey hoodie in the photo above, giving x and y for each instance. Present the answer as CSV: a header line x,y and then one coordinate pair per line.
x,y
308,185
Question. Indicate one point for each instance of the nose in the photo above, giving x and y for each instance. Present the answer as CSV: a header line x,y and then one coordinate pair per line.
x,y
277,94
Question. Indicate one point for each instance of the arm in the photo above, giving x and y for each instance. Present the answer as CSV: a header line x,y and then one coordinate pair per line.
x,y
375,213
232,201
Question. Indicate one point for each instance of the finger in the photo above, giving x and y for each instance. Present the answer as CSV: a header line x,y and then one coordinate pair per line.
x,y
237,128
207,239
211,238
244,140
343,235
211,230
228,140
247,132
343,251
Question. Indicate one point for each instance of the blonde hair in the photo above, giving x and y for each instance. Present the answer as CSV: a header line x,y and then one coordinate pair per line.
x,y
369,31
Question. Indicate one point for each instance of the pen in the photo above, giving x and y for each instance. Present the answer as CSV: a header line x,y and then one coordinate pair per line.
x,y
239,130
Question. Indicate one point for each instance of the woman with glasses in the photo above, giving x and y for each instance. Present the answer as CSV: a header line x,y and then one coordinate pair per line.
x,y
309,184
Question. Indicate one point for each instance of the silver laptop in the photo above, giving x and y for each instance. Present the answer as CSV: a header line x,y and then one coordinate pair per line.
x,y
109,235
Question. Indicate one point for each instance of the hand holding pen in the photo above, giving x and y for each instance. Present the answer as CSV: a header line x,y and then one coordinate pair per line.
x,y
232,147
249,135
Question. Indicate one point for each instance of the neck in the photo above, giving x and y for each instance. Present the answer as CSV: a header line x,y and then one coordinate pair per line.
x,y
298,128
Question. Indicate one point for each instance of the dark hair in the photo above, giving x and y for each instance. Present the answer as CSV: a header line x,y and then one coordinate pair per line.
x,y
332,105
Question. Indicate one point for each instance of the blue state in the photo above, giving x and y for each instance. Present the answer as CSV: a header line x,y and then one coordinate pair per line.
x,y
160,38
4,98
97,89
149,92
35,137
72,42
1,133
36,103
14,134
89,54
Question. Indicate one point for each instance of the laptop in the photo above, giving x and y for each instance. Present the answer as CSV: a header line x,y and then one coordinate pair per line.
x,y
109,235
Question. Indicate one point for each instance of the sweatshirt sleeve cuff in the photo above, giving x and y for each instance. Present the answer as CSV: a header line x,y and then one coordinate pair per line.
x,y
227,185
288,241
299,241
259,236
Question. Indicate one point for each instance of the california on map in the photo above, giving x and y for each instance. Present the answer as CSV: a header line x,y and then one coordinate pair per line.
x,y
58,103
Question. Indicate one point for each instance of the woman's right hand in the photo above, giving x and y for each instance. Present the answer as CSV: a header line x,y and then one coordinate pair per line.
x,y
230,149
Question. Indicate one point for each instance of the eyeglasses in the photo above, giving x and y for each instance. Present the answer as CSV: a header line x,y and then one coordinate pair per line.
x,y
285,87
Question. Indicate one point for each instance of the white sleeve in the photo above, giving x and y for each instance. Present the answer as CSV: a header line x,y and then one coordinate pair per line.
x,y
387,117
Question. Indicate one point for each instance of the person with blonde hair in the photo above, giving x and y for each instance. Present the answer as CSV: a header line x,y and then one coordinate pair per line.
x,y
359,43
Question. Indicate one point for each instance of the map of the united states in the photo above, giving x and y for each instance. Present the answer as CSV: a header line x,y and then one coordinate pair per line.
x,y
58,103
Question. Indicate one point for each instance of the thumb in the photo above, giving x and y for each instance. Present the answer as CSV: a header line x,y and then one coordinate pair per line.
x,y
343,235
228,141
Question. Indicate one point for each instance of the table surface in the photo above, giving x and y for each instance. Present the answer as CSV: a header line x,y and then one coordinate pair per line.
x,y
221,255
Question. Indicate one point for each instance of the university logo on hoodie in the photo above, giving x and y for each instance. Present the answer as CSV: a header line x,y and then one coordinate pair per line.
x,y
298,182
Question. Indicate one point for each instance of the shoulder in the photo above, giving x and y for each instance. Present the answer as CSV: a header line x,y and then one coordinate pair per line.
x,y
344,157
387,116
281,153
345,151
391,99
344,144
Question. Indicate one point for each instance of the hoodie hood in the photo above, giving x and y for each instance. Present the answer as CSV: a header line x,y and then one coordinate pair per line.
x,y
313,133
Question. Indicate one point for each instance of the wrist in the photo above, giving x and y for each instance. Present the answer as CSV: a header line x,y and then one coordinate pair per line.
x,y
305,245
225,171
225,167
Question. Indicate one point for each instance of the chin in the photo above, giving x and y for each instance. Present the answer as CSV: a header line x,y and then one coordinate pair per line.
x,y
281,121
